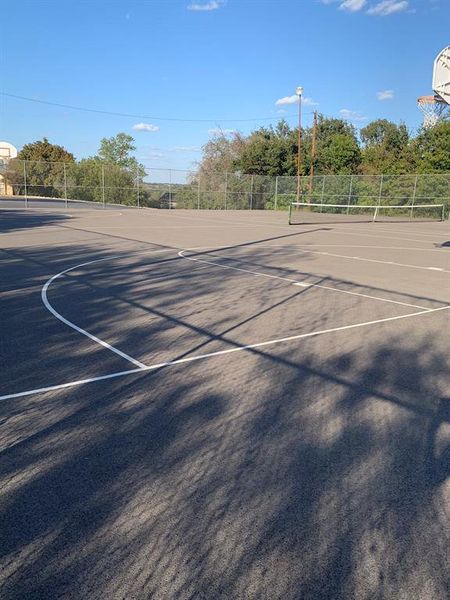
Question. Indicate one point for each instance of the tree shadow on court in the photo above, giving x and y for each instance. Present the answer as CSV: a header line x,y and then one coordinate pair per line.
x,y
302,471
281,475
13,220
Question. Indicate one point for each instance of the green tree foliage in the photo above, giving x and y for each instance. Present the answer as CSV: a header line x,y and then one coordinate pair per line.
x,y
385,148
43,150
111,176
269,151
117,150
432,149
44,169
273,150
337,147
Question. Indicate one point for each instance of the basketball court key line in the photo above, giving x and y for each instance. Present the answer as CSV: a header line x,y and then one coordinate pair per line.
x,y
56,314
214,354
303,284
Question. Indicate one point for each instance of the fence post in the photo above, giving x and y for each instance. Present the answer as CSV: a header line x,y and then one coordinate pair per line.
x,y
251,193
413,198
25,182
350,194
226,189
103,185
375,214
198,194
65,185
323,192
138,190
170,189
276,193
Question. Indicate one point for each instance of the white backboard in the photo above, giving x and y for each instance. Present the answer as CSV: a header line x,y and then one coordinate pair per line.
x,y
441,75
7,151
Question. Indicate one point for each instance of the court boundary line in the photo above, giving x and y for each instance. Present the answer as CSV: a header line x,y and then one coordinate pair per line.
x,y
60,317
374,260
181,254
296,282
198,357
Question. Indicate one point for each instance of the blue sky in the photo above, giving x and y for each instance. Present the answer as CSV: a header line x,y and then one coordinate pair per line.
x,y
211,60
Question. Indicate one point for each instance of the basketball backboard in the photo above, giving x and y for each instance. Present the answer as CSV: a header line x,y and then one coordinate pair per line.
x,y
7,151
441,75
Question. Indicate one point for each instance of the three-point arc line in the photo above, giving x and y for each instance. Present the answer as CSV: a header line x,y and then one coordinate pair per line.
x,y
148,368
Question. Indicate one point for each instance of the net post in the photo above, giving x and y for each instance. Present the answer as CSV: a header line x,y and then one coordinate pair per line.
x,y
251,193
443,212
137,187
350,194
413,198
198,193
25,182
170,189
103,185
276,193
375,214
226,188
290,214
323,193
65,185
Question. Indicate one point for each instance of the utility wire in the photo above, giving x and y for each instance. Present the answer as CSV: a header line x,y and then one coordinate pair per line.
x,y
134,116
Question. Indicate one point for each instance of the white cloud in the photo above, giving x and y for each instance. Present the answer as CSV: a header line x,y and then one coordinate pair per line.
x,y
187,149
218,131
287,100
206,6
353,5
379,8
385,95
388,7
351,115
145,127
152,156
294,99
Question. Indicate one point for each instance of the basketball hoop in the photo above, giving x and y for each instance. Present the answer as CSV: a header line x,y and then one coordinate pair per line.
x,y
433,108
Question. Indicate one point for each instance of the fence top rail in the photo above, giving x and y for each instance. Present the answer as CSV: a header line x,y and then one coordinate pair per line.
x,y
232,173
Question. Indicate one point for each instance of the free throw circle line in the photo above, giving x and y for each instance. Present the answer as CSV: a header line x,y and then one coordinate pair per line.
x,y
59,316
217,353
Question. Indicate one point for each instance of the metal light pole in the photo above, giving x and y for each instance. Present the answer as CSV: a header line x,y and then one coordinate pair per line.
x,y
299,92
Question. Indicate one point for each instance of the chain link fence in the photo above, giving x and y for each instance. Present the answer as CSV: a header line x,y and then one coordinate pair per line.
x,y
97,182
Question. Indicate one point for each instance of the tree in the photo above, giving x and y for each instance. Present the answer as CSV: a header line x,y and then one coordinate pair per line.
x,y
112,175
43,150
269,151
44,169
117,150
385,148
338,150
431,149
341,155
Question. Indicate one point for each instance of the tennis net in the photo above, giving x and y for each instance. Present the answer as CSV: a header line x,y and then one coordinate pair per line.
x,y
306,212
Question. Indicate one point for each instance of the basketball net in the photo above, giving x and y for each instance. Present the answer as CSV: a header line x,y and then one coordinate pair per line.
x,y
432,108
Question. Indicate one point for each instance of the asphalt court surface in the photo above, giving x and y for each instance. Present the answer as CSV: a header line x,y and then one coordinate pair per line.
x,y
214,404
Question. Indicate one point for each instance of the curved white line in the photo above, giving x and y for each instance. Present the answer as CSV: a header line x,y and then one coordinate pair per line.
x,y
94,338
301,283
189,359
373,260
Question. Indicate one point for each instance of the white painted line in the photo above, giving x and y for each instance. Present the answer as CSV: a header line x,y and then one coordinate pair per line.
x,y
217,353
385,237
317,285
374,260
407,232
373,247
75,327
